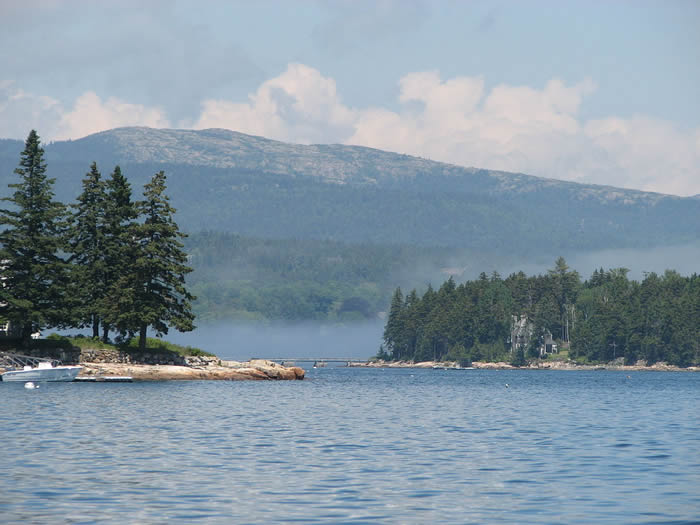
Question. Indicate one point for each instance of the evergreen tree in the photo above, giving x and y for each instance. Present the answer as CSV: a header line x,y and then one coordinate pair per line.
x,y
394,325
120,212
34,276
609,316
87,243
153,292
519,358
564,284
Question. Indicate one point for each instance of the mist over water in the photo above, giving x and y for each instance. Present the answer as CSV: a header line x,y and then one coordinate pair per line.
x,y
243,340
681,258
684,259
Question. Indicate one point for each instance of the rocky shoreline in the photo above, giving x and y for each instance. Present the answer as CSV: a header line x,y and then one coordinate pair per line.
x,y
211,369
158,364
542,365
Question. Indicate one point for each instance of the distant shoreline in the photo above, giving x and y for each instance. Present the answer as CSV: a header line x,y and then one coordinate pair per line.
x,y
545,365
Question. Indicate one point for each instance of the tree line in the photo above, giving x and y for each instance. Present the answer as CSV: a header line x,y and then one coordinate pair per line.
x,y
106,261
604,318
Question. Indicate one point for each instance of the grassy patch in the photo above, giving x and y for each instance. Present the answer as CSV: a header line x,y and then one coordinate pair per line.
x,y
152,345
563,355
81,341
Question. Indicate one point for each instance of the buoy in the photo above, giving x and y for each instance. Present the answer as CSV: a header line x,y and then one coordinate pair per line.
x,y
30,385
507,385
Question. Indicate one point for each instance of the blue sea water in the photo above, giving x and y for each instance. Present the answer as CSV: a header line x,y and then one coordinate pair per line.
x,y
352,445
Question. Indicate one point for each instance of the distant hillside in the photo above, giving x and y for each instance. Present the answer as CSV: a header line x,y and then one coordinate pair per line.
x,y
230,182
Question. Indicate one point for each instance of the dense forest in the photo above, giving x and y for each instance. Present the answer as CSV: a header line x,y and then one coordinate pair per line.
x,y
285,231
311,243
107,261
607,317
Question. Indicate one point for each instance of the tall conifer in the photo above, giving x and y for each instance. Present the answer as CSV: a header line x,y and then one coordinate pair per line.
x,y
152,291
33,275
120,212
393,328
87,243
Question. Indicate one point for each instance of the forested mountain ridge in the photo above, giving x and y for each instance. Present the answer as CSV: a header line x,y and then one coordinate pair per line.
x,y
326,232
230,182
221,148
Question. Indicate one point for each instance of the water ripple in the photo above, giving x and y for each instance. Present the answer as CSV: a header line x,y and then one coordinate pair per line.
x,y
356,446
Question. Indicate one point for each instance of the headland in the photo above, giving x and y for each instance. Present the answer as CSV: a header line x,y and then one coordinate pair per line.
x,y
209,369
161,361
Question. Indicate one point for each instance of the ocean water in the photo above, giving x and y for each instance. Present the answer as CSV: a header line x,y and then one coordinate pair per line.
x,y
352,445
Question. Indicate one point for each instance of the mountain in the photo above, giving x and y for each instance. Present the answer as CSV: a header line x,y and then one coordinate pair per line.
x,y
326,232
231,182
225,149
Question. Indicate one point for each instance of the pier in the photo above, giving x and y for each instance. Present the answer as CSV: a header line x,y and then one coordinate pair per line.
x,y
319,360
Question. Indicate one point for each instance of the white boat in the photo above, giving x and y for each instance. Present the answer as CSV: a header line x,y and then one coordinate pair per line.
x,y
44,371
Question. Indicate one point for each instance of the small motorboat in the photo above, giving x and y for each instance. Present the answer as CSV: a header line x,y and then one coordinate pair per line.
x,y
44,371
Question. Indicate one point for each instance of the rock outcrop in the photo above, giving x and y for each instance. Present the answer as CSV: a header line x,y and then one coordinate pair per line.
x,y
206,369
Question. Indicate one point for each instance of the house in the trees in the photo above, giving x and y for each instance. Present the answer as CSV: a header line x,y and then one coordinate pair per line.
x,y
522,332
548,345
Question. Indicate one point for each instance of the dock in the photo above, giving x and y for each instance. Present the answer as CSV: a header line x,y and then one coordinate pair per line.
x,y
105,379
317,360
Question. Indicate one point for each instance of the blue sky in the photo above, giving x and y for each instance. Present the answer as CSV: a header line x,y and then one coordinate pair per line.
x,y
602,92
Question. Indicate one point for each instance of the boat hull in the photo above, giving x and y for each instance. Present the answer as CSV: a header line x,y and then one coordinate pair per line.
x,y
58,373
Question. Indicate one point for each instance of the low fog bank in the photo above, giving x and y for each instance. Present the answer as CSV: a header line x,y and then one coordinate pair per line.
x,y
240,340
683,259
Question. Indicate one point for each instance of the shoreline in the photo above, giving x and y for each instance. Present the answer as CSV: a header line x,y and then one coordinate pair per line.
x,y
256,370
545,365
161,365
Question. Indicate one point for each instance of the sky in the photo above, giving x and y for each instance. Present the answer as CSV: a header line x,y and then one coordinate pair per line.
x,y
603,92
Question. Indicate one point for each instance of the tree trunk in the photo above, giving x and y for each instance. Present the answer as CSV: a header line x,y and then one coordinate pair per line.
x,y
26,334
142,337
105,333
95,327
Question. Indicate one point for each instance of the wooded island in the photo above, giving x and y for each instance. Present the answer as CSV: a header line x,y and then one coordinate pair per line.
x,y
603,319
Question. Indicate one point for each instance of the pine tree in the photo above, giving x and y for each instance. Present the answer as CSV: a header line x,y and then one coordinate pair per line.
x,y
394,326
33,275
120,212
87,243
564,285
153,293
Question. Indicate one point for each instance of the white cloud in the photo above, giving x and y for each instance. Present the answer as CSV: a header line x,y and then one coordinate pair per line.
x,y
645,153
300,105
534,131
90,115
21,111
513,128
